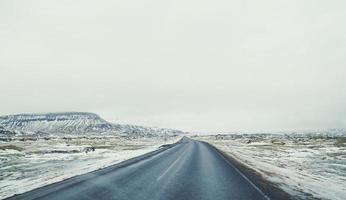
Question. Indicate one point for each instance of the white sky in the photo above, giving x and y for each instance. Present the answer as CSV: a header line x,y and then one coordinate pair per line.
x,y
189,64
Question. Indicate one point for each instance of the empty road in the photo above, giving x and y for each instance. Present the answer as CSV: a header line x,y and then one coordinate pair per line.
x,y
189,170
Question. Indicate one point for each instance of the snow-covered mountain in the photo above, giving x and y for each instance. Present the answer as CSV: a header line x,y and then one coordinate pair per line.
x,y
77,122
73,123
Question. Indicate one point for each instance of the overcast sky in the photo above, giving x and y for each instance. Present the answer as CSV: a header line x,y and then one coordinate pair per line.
x,y
194,65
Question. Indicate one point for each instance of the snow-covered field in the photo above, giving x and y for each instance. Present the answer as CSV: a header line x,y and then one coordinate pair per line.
x,y
300,164
25,165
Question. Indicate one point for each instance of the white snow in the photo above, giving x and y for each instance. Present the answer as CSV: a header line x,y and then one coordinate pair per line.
x,y
299,165
26,165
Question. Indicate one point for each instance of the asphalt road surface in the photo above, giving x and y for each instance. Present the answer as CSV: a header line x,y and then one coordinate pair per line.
x,y
188,170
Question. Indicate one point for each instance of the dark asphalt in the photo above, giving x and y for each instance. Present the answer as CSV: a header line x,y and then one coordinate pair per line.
x,y
189,170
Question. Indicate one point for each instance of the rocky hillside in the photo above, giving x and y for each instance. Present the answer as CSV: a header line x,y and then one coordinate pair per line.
x,y
4,131
73,123
77,122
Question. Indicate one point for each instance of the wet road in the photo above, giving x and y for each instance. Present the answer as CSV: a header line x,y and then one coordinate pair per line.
x,y
188,170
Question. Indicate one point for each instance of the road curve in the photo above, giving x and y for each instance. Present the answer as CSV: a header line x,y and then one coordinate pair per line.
x,y
189,170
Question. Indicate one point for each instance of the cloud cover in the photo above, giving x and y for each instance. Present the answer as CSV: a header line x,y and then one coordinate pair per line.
x,y
194,65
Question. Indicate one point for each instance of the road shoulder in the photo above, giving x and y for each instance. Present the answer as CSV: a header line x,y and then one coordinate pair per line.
x,y
268,188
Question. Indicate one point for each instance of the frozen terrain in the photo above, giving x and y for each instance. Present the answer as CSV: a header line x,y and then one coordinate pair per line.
x,y
39,149
26,164
307,165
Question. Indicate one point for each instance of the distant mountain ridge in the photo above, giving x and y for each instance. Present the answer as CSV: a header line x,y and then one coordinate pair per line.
x,y
74,123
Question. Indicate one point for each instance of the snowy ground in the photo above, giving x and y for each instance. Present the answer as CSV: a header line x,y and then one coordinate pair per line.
x,y
25,165
298,164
